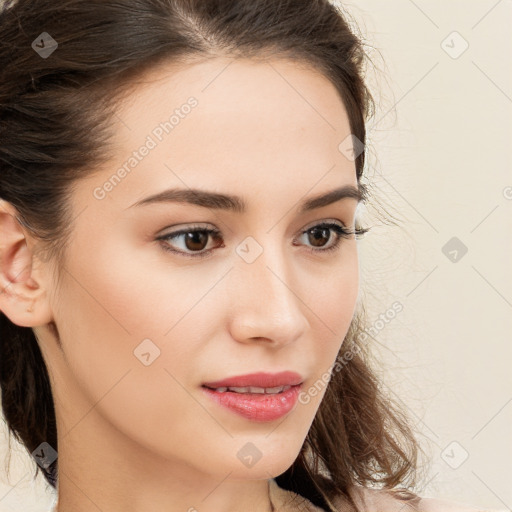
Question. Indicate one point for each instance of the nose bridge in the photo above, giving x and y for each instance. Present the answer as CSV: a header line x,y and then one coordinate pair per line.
x,y
265,304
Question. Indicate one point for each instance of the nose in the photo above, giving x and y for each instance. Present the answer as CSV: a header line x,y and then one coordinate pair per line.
x,y
267,303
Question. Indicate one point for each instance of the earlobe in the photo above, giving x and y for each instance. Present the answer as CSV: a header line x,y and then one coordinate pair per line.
x,y
23,298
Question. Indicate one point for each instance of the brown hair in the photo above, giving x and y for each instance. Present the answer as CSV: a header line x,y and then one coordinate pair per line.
x,y
56,117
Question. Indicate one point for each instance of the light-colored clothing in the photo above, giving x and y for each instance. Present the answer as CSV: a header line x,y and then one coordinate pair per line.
x,y
369,500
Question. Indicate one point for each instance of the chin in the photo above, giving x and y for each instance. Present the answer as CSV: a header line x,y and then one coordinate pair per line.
x,y
262,470
263,460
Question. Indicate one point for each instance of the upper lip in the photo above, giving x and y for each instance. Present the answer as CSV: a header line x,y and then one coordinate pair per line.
x,y
260,379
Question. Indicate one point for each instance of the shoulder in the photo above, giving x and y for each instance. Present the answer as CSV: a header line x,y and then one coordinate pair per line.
x,y
368,500
375,500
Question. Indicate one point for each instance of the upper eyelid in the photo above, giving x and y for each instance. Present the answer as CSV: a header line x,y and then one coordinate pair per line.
x,y
325,221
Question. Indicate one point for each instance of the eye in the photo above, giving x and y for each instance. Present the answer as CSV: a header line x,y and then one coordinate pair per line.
x,y
320,232
195,238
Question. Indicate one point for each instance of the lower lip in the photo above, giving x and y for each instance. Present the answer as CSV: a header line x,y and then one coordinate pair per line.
x,y
257,407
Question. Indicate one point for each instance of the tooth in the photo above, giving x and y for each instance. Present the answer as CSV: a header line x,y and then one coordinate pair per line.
x,y
253,389
274,390
239,390
256,390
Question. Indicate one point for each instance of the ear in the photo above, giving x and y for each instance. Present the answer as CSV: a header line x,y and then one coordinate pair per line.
x,y
23,296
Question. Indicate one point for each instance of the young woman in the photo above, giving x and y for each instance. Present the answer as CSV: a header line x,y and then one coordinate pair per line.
x,y
180,326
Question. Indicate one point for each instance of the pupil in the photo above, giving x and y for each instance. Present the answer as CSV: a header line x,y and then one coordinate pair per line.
x,y
324,233
193,237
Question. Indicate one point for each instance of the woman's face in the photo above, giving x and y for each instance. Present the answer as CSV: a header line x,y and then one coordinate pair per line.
x,y
144,323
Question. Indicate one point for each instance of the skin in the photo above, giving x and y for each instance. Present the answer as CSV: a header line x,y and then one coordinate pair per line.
x,y
133,437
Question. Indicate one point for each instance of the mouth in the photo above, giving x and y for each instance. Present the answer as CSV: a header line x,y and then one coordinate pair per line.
x,y
258,396
254,403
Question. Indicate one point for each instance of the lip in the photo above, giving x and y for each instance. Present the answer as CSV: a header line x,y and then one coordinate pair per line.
x,y
260,379
257,407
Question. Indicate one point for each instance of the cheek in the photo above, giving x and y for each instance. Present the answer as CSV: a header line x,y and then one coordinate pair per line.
x,y
101,324
109,302
333,307
333,299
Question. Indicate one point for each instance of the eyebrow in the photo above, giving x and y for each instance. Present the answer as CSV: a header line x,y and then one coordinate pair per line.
x,y
218,201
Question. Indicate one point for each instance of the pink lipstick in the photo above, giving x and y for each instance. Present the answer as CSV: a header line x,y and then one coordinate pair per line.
x,y
258,396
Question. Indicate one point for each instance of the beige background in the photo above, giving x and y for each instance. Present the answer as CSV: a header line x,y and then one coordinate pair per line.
x,y
439,161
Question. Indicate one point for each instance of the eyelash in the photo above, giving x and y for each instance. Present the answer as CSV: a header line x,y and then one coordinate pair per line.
x,y
341,231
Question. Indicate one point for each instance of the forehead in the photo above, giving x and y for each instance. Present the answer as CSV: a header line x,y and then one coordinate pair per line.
x,y
253,125
237,85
